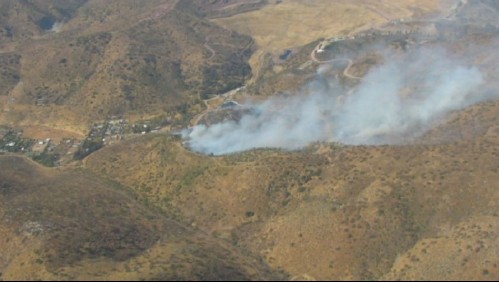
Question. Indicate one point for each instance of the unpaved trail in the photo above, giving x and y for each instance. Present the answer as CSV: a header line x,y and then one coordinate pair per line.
x,y
209,108
161,10
195,121
345,71
377,11
207,46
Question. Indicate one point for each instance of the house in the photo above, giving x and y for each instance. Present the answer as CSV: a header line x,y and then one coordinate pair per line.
x,y
230,104
284,56
39,147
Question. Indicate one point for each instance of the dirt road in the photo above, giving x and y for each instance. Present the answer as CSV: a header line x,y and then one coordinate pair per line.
x,y
212,51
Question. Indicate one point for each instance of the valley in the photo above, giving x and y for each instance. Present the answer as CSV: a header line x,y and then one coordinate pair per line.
x,y
249,140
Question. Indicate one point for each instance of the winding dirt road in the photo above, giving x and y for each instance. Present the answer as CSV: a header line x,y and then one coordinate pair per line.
x,y
345,71
195,121
209,48
212,51
209,108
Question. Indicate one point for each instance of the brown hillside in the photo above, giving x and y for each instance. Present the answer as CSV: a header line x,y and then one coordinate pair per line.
x,y
328,212
118,58
130,201
73,224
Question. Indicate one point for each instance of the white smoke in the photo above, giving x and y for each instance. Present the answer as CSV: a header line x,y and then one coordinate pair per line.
x,y
395,100
56,27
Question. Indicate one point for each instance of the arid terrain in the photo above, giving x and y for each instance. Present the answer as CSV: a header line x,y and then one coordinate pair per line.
x,y
249,140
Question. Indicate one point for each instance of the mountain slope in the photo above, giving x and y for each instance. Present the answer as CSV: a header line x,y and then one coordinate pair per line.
x,y
331,212
119,58
72,224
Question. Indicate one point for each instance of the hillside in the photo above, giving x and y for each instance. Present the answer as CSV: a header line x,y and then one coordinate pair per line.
x,y
332,212
114,58
72,224
249,140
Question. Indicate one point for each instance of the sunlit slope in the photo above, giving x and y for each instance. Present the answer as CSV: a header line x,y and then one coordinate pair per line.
x,y
117,58
292,23
330,212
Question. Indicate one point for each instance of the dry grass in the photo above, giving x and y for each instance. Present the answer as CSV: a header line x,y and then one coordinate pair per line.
x,y
467,251
71,224
43,132
343,213
295,23
326,212
118,58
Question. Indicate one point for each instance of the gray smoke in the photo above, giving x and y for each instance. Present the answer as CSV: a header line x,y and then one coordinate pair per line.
x,y
396,100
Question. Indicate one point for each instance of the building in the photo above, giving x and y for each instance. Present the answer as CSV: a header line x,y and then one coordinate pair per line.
x,y
230,104
39,147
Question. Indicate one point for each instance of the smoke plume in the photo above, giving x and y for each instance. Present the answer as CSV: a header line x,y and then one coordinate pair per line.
x,y
396,100
56,27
